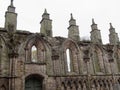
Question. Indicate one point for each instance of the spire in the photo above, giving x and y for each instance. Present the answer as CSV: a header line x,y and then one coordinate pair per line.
x,y
111,25
71,16
45,11
72,20
11,8
94,25
93,22
45,14
11,3
112,29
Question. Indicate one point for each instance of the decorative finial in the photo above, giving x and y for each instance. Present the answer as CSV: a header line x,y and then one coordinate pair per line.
x,y
71,16
111,25
93,22
11,2
45,11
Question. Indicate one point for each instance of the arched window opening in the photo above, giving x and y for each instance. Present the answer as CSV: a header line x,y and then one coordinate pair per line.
x,y
34,54
68,60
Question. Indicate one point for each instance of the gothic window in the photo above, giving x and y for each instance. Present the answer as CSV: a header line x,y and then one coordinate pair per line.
x,y
34,54
68,60
70,57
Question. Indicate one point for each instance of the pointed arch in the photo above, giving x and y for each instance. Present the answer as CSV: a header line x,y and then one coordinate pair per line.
x,y
70,56
98,60
35,44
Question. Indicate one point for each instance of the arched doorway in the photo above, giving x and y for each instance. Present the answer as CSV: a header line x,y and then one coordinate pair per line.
x,y
34,83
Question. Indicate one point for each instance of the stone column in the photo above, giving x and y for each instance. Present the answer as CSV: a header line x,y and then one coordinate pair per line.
x,y
12,70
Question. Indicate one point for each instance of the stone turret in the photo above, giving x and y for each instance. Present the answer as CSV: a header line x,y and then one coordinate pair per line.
x,y
73,32
95,34
11,18
46,24
113,36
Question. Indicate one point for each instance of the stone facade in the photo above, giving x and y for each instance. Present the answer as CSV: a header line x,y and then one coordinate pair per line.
x,y
88,64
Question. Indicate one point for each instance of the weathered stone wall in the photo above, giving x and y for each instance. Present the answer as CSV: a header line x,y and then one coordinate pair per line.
x,y
90,66
53,65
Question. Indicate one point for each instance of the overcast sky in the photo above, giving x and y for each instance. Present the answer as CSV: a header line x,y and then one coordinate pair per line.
x,y
30,12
